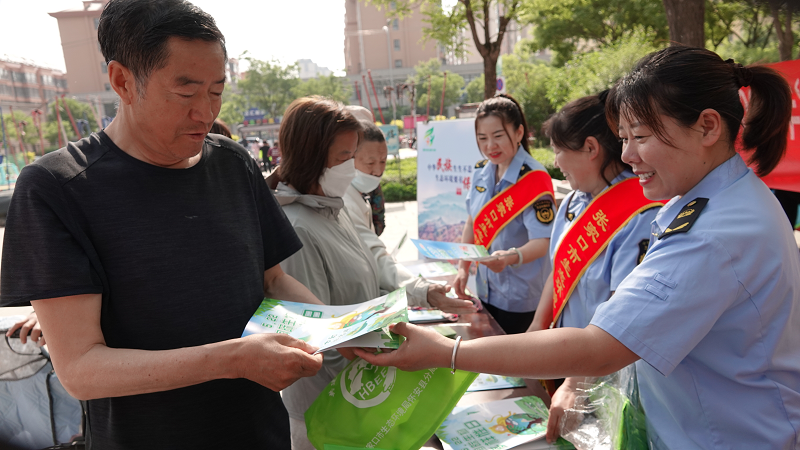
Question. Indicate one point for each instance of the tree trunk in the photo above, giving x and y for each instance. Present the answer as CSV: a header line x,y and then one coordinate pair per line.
x,y
686,20
784,31
490,76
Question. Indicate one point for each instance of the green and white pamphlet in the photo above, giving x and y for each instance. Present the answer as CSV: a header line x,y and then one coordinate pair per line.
x,y
495,425
326,327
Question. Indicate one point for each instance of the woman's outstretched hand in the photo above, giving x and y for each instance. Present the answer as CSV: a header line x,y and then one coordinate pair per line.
x,y
422,349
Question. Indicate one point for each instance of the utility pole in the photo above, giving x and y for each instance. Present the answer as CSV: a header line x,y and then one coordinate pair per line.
x,y
391,70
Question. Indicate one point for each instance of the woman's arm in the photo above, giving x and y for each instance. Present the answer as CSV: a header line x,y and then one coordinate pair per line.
x,y
547,354
544,312
531,251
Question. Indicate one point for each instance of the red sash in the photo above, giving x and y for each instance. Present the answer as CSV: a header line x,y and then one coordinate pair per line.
x,y
604,217
510,203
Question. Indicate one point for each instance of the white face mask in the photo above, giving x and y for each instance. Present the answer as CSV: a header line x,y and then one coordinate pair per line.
x,y
365,183
335,180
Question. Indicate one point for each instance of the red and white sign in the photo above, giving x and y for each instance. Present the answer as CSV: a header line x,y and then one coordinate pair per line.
x,y
786,176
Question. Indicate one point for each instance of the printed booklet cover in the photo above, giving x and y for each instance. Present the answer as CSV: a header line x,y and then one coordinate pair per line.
x,y
452,250
324,326
495,425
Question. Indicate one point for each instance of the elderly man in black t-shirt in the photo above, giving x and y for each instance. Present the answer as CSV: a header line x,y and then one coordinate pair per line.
x,y
145,248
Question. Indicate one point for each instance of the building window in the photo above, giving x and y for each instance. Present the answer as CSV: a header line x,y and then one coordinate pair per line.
x,y
397,45
108,87
396,24
104,67
398,63
5,74
393,5
96,22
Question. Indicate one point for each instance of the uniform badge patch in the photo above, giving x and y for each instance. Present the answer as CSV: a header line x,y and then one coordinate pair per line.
x,y
544,211
686,218
480,164
644,244
480,188
524,169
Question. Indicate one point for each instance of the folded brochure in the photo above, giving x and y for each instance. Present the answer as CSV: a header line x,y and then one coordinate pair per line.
x,y
326,327
495,425
452,250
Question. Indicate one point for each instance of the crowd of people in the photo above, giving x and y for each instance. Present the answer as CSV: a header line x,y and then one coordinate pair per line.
x,y
146,247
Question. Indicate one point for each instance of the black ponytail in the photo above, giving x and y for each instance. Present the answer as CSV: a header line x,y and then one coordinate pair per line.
x,y
508,110
680,82
766,126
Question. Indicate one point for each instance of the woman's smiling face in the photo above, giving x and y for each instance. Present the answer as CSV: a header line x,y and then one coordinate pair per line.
x,y
494,142
664,170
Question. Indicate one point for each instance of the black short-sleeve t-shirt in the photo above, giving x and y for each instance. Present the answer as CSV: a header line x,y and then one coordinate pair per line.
x,y
179,257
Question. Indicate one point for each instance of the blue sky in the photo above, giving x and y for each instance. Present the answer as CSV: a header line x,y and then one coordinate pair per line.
x,y
286,30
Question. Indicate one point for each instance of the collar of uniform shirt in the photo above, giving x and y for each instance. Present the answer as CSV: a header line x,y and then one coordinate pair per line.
x,y
718,179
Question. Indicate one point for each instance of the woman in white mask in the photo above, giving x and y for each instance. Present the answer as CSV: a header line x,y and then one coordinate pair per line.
x,y
318,140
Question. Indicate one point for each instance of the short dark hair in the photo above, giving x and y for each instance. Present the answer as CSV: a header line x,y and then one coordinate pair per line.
x,y
309,126
680,82
135,33
372,133
220,127
508,110
581,118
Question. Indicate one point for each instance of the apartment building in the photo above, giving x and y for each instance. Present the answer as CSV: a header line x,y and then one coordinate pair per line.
x,y
26,86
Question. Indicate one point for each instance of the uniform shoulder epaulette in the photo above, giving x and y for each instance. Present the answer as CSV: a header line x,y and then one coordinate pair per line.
x,y
524,169
480,164
686,218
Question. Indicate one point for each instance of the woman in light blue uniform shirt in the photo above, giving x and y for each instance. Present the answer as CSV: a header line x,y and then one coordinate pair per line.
x,y
589,155
712,314
509,288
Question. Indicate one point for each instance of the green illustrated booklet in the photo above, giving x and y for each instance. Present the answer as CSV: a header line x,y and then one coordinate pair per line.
x,y
495,425
324,326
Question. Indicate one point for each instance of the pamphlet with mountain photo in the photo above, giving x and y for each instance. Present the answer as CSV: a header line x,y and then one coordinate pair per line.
x,y
326,327
452,250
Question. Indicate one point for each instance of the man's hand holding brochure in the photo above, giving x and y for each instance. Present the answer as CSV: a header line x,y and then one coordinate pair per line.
x,y
326,327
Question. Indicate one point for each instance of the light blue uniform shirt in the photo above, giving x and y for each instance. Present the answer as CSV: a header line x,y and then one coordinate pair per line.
x,y
714,313
605,274
513,290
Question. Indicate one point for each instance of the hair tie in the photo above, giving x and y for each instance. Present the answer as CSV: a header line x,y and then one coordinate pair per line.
x,y
742,74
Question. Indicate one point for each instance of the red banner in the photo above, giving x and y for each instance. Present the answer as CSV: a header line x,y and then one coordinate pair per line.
x,y
510,203
786,175
586,239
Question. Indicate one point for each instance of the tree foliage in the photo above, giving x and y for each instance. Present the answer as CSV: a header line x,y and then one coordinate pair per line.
x,y
527,80
268,85
467,17
330,86
431,70
590,73
79,110
474,89
568,26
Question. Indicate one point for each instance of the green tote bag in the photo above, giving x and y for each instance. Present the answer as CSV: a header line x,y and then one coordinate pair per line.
x,y
368,406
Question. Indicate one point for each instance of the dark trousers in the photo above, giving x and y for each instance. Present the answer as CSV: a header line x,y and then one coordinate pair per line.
x,y
510,322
